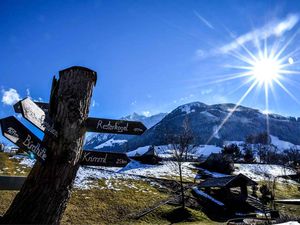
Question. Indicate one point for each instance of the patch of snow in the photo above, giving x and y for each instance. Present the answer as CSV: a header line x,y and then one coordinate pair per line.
x,y
138,151
28,162
282,145
209,173
166,151
86,176
206,150
289,223
262,171
238,143
208,114
203,194
188,108
166,169
110,143
24,160
288,200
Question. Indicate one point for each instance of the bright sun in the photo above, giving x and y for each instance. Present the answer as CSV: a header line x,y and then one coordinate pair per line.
x,y
265,70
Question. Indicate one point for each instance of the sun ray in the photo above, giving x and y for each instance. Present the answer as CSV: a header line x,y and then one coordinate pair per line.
x,y
287,91
286,45
232,111
267,106
264,69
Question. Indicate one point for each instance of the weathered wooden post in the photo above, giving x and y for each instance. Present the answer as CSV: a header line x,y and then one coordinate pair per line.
x,y
44,195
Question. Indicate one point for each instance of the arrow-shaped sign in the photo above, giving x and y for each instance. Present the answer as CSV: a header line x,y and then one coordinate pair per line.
x,y
95,158
92,124
43,105
11,183
35,115
114,126
18,134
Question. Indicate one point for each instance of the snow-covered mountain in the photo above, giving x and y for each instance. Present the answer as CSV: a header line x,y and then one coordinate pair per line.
x,y
204,122
108,141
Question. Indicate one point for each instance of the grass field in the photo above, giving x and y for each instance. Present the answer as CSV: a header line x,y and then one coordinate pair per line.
x,y
115,200
111,202
110,206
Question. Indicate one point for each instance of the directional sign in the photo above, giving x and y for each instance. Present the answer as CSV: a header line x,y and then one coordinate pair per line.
x,y
43,105
35,115
95,158
17,133
114,126
11,183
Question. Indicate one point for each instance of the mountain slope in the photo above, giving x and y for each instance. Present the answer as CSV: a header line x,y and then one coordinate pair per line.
x,y
204,120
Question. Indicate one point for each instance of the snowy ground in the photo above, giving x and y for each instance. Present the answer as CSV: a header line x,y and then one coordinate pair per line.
x,y
87,176
260,172
165,151
289,223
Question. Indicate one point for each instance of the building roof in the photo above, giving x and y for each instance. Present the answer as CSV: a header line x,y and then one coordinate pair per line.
x,y
227,181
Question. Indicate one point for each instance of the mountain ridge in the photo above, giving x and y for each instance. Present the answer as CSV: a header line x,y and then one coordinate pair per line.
x,y
204,121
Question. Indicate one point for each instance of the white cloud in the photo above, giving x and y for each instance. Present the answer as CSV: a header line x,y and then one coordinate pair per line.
x,y
206,22
206,91
10,97
134,102
270,29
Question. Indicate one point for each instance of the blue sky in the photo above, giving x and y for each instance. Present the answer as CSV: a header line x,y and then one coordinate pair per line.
x,y
151,56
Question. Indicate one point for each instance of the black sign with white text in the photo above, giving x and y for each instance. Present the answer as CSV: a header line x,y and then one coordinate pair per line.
x,y
94,158
18,134
114,126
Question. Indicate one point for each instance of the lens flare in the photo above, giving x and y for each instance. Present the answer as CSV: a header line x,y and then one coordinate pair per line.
x,y
263,69
266,70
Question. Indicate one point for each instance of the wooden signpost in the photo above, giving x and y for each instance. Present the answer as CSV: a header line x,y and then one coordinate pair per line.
x,y
35,115
47,188
18,134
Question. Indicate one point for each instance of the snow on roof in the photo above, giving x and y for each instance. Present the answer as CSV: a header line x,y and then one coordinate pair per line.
x,y
227,181
203,194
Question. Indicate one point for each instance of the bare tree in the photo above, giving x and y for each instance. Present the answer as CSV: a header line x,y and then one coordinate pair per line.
x,y
181,146
292,156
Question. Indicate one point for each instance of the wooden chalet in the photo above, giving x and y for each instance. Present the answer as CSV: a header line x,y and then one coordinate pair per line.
x,y
228,182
